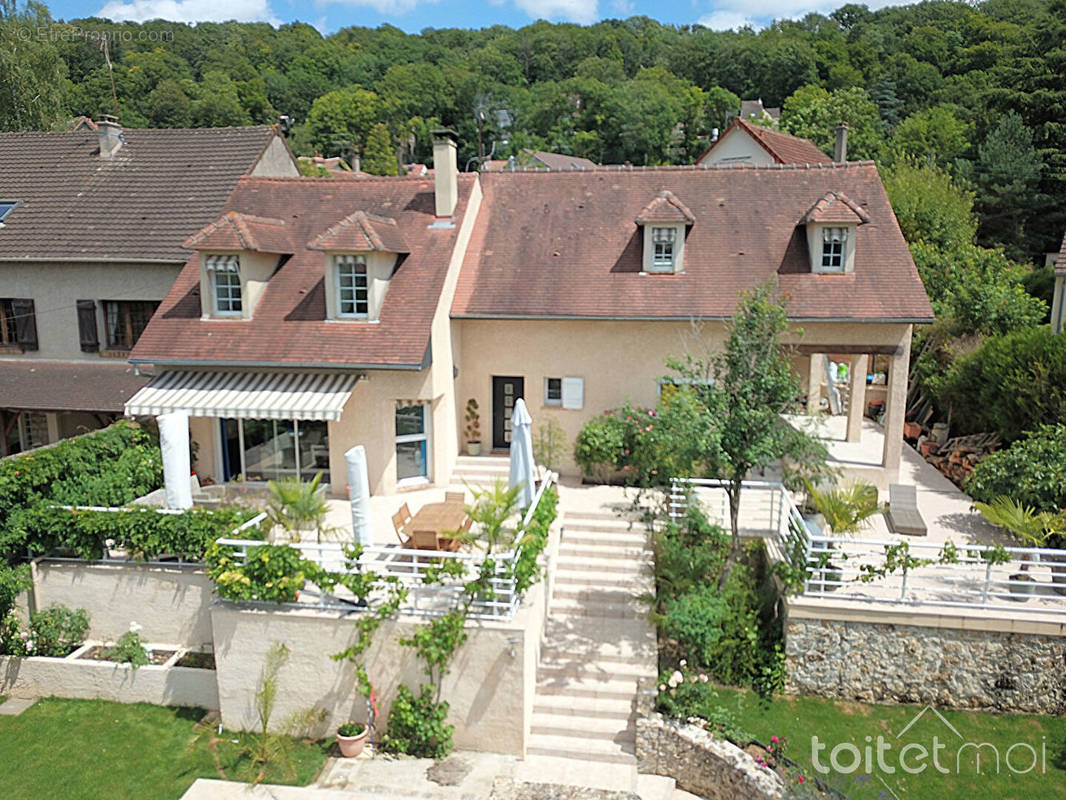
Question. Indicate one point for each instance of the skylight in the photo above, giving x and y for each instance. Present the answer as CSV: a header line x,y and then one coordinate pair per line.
x,y
6,207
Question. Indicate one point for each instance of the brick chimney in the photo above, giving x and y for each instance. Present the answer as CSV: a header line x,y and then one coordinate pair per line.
x,y
445,172
109,133
840,149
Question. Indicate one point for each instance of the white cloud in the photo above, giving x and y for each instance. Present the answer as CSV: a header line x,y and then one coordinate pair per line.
x,y
731,14
624,8
723,19
383,7
189,11
582,11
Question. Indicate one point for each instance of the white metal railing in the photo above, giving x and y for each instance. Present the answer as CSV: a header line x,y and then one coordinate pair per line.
x,y
895,572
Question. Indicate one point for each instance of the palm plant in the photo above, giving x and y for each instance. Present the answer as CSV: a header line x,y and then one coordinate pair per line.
x,y
1032,527
296,506
846,509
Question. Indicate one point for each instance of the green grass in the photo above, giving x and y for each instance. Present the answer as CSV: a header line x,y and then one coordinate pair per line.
x,y
799,719
74,749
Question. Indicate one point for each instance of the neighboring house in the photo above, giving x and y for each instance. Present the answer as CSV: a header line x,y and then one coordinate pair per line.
x,y
91,226
538,159
314,316
755,110
744,142
1058,300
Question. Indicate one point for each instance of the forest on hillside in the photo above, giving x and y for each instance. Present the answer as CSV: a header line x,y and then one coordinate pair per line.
x,y
976,89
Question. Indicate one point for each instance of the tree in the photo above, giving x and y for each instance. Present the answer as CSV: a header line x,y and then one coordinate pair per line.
x,y
814,113
930,206
344,115
31,71
378,155
751,384
935,134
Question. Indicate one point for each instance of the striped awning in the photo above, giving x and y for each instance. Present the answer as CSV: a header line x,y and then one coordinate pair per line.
x,y
246,395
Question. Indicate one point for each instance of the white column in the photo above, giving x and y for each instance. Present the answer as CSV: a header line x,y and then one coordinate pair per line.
x,y
52,421
896,408
856,397
815,371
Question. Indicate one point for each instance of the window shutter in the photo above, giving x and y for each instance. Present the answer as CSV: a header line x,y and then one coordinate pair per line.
x,y
25,323
87,326
573,393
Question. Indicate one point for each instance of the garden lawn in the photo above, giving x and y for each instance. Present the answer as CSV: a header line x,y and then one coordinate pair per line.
x,y
74,749
835,722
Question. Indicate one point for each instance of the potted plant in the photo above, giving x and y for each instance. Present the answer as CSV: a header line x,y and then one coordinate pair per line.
x,y
473,428
351,737
840,511
1032,527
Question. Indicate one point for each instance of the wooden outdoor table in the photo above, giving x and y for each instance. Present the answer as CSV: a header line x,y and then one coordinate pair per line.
x,y
433,519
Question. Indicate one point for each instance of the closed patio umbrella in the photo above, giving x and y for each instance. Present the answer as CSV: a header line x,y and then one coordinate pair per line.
x,y
174,446
359,493
522,465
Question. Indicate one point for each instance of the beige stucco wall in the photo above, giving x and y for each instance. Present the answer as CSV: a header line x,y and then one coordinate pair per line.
x,y
100,680
276,162
737,147
488,686
619,361
56,289
172,604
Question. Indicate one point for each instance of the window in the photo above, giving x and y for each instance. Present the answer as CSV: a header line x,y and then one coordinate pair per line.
x,y
226,283
833,240
412,444
33,430
8,329
275,449
553,391
127,319
352,294
18,323
6,207
663,240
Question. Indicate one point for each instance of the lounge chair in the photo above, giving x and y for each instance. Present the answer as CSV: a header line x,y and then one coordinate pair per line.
x,y
903,515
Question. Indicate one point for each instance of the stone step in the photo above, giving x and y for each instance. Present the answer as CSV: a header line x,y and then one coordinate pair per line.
x,y
637,555
595,668
620,711
600,635
630,590
572,538
612,576
603,527
582,749
594,515
566,725
566,607
607,656
589,688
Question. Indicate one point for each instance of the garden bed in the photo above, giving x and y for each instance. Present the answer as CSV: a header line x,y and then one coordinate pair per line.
x,y
100,653
194,660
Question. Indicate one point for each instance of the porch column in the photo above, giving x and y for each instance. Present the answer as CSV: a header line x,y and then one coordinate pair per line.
x,y
896,408
856,397
815,372
53,427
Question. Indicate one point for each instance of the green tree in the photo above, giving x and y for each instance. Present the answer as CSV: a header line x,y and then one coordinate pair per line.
x,y
745,389
378,155
935,134
219,104
343,115
930,206
31,71
814,113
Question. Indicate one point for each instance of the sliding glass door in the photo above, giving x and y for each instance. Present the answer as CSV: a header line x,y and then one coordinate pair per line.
x,y
275,449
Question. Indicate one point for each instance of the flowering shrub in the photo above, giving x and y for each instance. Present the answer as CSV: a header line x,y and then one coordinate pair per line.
x,y
56,631
130,648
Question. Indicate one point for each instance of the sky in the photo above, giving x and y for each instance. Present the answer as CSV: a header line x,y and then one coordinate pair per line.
x,y
414,15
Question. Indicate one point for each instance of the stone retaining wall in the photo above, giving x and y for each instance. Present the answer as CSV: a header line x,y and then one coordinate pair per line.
x,y
953,667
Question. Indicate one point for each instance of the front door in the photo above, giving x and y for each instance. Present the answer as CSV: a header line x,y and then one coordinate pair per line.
x,y
504,393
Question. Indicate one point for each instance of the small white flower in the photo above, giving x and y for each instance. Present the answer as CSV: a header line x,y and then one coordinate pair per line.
x,y
684,663
675,679
136,627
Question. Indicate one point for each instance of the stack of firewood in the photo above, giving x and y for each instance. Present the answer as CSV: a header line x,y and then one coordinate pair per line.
x,y
957,457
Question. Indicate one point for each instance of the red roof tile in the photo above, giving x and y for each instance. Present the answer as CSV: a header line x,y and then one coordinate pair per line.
x,y
836,207
68,385
234,231
563,244
782,147
289,326
362,231
665,208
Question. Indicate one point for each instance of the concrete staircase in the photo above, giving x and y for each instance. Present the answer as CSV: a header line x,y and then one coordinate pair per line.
x,y
480,470
598,643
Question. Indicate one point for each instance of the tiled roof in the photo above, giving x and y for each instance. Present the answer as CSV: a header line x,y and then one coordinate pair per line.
x,y
836,207
234,231
565,245
782,147
665,208
67,385
1060,264
561,161
289,325
139,205
362,231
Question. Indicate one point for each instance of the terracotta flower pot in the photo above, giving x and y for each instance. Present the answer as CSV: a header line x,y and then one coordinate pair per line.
x,y
352,746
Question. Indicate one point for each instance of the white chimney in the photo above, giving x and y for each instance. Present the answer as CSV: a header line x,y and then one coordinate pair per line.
x,y
840,149
445,171
109,133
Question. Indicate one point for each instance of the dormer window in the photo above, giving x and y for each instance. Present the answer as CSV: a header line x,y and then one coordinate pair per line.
x,y
663,241
353,293
834,241
225,276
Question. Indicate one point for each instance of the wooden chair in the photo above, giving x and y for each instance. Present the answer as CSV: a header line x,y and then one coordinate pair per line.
x,y
455,497
399,521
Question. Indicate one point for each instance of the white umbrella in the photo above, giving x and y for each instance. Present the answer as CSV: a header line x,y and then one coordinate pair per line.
x,y
359,494
522,464
174,446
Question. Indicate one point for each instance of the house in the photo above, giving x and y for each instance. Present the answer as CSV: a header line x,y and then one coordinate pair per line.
x,y
91,226
1058,301
744,142
755,110
538,159
315,315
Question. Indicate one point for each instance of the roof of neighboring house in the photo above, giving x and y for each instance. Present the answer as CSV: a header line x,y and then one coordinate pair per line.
x,y
755,108
139,205
782,147
560,161
565,244
1060,264
289,325
234,231
67,385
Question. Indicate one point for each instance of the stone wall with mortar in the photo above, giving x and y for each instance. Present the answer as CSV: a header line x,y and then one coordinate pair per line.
x,y
952,667
712,768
